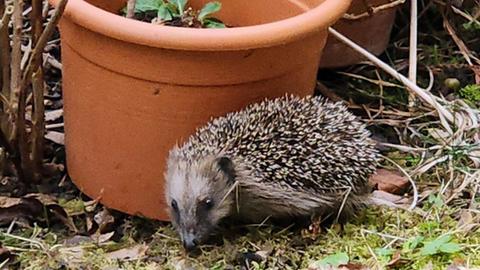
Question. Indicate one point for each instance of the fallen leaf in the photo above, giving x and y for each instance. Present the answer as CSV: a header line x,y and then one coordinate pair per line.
x,y
129,254
91,205
51,204
77,240
53,115
102,238
352,266
467,222
395,259
91,225
22,209
379,197
334,260
389,181
56,137
104,220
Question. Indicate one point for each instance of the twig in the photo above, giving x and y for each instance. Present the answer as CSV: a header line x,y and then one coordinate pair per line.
x,y
5,52
36,20
412,60
36,57
38,128
459,42
15,63
131,8
373,10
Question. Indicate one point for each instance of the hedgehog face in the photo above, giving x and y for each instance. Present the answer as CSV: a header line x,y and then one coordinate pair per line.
x,y
199,196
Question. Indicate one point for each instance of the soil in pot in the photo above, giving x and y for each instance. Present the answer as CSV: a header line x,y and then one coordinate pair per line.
x,y
175,13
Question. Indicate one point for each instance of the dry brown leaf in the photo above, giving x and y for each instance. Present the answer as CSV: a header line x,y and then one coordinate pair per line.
x,y
51,204
467,221
56,137
379,197
104,220
22,209
396,259
129,254
53,115
389,181
353,266
102,238
77,240
91,225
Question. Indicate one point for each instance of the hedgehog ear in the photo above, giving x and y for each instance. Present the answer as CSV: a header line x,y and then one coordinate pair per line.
x,y
226,166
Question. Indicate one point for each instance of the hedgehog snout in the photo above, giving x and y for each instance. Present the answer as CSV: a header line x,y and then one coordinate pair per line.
x,y
189,241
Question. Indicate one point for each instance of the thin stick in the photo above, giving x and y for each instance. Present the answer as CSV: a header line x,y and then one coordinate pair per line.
x,y
424,95
5,50
2,11
36,20
131,8
38,124
15,68
412,60
373,10
37,53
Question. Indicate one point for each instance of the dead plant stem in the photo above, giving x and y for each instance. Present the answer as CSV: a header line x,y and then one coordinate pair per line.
x,y
412,60
36,20
38,124
37,53
424,95
5,51
15,66
131,8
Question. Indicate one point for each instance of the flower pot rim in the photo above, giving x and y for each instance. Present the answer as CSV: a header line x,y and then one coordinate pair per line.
x,y
239,38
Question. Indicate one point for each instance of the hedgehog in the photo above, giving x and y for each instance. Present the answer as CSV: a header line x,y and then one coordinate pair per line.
x,y
280,159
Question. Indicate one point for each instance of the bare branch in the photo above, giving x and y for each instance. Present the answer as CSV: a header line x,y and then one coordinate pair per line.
x,y
15,65
131,8
38,128
5,51
36,58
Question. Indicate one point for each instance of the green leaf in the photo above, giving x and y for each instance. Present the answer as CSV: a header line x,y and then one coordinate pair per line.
x,y
439,245
212,23
147,5
164,13
209,9
412,243
384,252
333,260
450,248
179,4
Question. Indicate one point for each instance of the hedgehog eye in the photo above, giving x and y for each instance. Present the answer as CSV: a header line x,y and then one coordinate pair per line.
x,y
174,205
208,203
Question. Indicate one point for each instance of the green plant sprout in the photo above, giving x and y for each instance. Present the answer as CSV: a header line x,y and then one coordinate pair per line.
x,y
471,93
176,13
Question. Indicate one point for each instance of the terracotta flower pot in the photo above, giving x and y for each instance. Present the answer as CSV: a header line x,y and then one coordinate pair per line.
x,y
371,32
132,89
